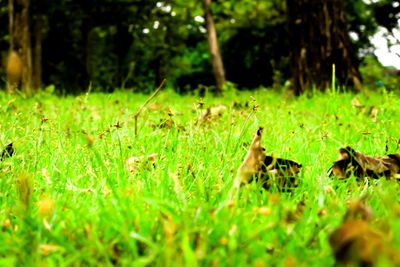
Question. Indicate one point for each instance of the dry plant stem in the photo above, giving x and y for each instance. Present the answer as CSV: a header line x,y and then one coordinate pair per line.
x,y
145,103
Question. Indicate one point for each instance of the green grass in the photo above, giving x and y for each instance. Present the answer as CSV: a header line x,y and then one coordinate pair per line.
x,y
86,208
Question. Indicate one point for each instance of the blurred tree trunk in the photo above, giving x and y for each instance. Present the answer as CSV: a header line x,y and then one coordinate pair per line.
x,y
86,30
20,42
37,53
123,41
216,59
319,37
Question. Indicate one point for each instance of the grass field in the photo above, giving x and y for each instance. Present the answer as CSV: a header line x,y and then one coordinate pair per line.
x,y
68,197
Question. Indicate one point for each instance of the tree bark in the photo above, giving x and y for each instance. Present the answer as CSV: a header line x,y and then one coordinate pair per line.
x,y
20,40
37,53
87,39
216,59
319,36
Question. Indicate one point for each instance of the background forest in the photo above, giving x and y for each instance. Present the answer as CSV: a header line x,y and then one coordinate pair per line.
x,y
134,44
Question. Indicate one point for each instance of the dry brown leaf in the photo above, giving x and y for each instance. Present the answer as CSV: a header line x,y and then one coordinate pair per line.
x,y
169,228
45,206
253,161
94,114
356,242
6,224
133,163
8,151
268,170
373,112
211,113
356,103
166,123
47,249
265,211
353,162
283,172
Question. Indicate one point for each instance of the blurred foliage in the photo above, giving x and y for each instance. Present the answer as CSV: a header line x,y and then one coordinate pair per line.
x,y
387,13
134,44
377,76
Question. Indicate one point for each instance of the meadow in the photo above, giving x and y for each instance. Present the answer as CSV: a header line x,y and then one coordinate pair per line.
x,y
83,190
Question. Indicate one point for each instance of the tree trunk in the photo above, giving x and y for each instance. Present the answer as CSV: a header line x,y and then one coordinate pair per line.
x,y
216,59
123,41
319,36
87,39
20,40
37,53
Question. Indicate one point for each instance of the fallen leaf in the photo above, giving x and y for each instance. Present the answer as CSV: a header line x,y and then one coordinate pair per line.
x,y
361,166
238,105
356,242
373,112
166,123
268,170
6,224
133,163
356,103
265,211
283,172
90,140
94,114
293,216
47,249
45,206
169,228
211,113
200,246
253,161
7,152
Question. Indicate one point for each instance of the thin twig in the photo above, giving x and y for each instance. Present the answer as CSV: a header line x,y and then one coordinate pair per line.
x,y
145,103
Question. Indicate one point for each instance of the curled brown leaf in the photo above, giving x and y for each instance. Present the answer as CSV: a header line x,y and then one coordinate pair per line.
x,y
8,151
360,165
133,164
211,113
268,170
357,242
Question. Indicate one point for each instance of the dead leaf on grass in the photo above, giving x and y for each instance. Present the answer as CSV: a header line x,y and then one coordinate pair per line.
x,y
239,105
294,215
134,163
371,111
356,103
253,161
211,113
166,123
352,162
47,249
45,206
169,228
282,172
356,242
7,152
117,126
269,170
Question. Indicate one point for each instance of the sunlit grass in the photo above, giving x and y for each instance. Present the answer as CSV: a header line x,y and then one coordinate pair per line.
x,y
87,208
